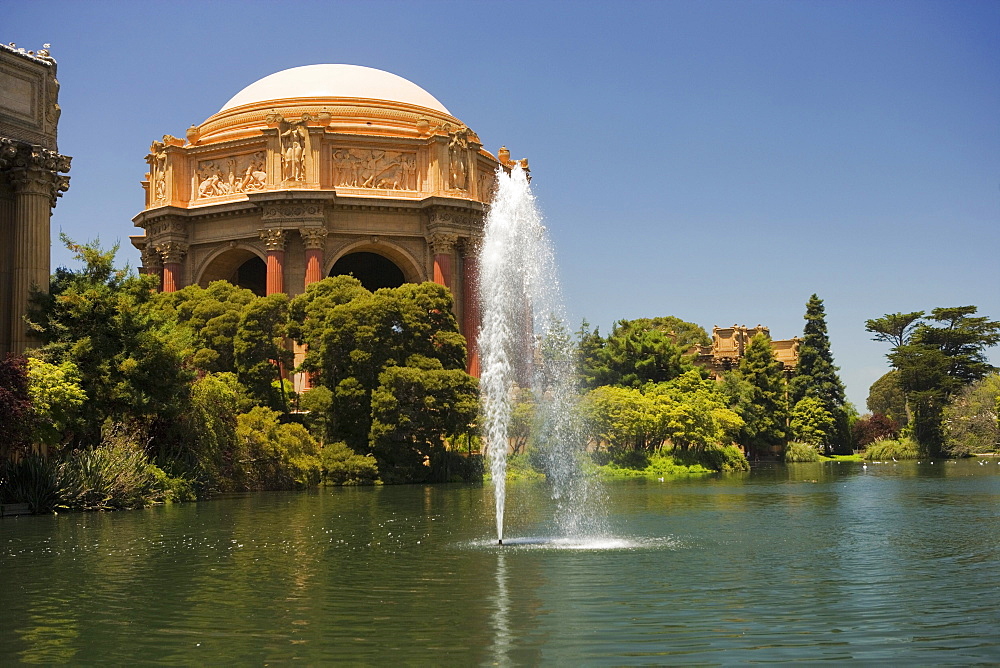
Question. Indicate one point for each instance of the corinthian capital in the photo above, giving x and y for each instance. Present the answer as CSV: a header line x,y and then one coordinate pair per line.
x,y
172,252
314,238
442,243
274,239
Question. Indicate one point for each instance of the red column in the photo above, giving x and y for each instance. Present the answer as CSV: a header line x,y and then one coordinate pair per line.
x,y
313,239
314,269
443,246
470,304
172,253
274,242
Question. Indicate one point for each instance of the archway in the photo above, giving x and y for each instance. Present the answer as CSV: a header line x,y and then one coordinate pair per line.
x,y
239,266
373,270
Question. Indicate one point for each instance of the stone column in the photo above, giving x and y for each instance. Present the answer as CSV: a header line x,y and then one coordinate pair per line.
x,y
152,264
470,301
6,260
172,253
443,246
314,239
274,242
33,203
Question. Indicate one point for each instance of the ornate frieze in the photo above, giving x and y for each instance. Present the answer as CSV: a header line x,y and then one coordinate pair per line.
x,y
285,210
374,168
167,226
231,175
274,239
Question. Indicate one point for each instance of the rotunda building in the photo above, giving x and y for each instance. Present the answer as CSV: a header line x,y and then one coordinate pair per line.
x,y
317,171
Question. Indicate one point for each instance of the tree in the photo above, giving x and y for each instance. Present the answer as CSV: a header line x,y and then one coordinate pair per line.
x,y
259,352
15,407
874,427
970,419
212,315
354,336
761,402
886,397
413,410
56,400
812,423
816,376
101,319
935,359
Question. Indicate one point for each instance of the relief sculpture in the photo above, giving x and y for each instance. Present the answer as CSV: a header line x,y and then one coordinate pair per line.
x,y
458,146
293,151
158,170
236,174
386,170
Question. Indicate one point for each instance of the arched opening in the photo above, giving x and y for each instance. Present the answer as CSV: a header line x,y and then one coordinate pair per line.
x,y
373,270
240,267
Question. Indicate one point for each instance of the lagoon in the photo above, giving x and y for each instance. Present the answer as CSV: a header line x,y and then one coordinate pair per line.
x,y
812,562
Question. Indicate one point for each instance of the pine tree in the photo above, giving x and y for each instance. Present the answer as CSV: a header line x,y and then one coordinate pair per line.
x,y
816,376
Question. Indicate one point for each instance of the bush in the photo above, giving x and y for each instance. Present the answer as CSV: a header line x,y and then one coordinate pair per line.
x,y
33,479
343,466
271,455
723,458
893,448
874,427
796,451
114,475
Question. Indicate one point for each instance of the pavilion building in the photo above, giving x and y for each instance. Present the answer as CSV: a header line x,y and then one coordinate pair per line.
x,y
318,171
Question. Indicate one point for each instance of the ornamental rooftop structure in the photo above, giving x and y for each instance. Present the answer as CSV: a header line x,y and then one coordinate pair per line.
x,y
30,182
316,171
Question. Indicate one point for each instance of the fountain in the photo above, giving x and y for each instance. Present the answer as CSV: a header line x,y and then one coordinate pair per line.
x,y
524,342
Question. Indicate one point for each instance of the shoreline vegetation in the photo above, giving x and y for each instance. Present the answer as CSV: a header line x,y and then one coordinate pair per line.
x,y
135,397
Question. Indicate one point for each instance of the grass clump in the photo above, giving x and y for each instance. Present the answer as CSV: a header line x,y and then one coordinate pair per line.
x,y
893,448
797,452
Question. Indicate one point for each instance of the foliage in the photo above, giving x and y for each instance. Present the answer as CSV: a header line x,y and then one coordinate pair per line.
x,y
887,397
212,317
355,335
659,465
757,395
970,419
15,407
623,418
343,466
413,409
637,352
874,427
889,448
935,358
816,378
797,451
259,352
32,479
272,455
129,359
812,423
696,414
317,403
57,400
114,475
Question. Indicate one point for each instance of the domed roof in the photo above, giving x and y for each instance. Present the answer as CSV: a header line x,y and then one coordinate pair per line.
x,y
335,81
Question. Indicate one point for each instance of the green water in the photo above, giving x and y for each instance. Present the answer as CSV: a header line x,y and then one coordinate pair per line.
x,y
899,563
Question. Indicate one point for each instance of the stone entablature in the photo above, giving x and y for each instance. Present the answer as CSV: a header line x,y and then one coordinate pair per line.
x,y
729,344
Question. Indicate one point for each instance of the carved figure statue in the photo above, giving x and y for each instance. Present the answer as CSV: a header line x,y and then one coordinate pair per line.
x,y
457,150
293,152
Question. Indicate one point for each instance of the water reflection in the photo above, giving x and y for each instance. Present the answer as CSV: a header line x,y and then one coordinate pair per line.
x,y
500,648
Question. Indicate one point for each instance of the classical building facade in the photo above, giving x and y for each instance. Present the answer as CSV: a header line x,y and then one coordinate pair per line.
x,y
316,171
729,345
31,177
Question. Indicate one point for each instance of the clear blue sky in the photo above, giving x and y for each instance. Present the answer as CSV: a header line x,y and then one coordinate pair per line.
x,y
717,161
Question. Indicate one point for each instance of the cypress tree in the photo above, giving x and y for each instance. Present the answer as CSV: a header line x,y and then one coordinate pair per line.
x,y
815,374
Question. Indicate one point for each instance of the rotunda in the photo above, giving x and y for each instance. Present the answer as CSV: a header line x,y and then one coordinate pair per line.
x,y
316,171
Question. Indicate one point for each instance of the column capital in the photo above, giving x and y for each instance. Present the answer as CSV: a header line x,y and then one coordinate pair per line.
x,y
442,243
172,252
151,258
34,170
273,238
314,238
471,245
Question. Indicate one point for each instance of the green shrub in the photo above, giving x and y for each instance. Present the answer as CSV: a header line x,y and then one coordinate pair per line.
x,y
271,455
116,474
343,466
796,451
33,480
893,448
727,458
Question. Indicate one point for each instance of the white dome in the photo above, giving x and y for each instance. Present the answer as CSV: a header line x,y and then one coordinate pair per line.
x,y
350,81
